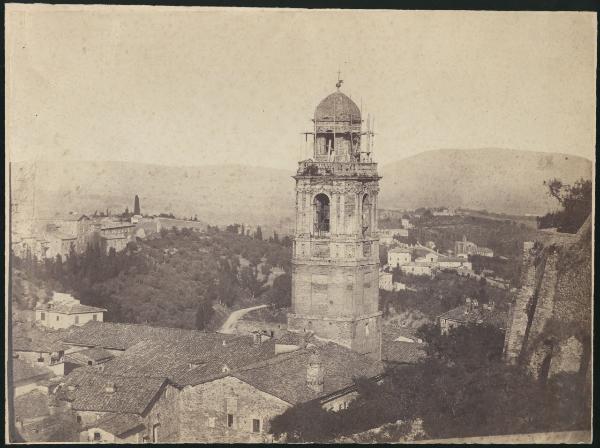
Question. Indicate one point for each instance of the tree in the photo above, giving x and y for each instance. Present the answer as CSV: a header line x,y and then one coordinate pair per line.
x,y
281,291
204,314
249,280
576,203
258,235
136,205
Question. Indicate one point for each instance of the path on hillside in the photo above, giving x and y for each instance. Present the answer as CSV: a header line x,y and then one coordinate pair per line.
x,y
229,326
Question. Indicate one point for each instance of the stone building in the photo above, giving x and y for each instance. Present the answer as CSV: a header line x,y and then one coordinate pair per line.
x,y
335,260
64,311
398,257
203,387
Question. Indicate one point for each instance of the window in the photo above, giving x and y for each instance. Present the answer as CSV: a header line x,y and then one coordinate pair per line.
x,y
95,317
89,363
57,318
255,425
76,319
321,217
97,437
367,329
230,420
42,316
79,419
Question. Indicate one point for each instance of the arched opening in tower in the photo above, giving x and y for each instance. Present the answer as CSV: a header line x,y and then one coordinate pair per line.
x,y
366,214
321,205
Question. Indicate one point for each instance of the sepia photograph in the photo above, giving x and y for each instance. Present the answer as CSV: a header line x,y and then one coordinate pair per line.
x,y
285,225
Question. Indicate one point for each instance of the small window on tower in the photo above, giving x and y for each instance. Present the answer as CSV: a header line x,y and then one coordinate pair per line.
x,y
230,420
255,425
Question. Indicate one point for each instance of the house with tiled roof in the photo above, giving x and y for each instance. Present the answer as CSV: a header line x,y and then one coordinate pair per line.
x,y
401,346
471,312
95,356
94,397
64,311
27,377
227,387
39,347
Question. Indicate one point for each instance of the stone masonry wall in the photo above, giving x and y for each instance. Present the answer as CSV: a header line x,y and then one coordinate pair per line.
x,y
204,409
517,322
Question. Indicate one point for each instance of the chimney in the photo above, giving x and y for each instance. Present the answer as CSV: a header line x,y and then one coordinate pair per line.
x,y
315,373
110,387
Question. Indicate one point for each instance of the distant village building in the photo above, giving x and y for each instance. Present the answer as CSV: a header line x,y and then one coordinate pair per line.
x,y
406,224
465,247
444,212
418,268
398,257
64,311
387,284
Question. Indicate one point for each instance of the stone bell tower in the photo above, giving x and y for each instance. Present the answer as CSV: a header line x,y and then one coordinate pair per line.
x,y
335,273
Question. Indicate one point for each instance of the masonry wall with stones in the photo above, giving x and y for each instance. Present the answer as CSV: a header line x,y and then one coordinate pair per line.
x,y
555,290
204,409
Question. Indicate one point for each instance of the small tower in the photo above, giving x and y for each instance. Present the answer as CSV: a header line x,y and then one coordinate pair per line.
x,y
335,264
315,373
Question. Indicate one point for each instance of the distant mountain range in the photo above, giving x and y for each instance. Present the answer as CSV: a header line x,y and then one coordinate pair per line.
x,y
497,180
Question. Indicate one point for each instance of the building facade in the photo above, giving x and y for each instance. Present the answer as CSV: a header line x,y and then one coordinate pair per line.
x,y
336,249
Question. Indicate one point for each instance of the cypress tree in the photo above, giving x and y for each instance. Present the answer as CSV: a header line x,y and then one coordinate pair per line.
x,y
136,205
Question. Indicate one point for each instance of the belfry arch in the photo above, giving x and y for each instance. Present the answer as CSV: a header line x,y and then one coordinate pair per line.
x,y
321,210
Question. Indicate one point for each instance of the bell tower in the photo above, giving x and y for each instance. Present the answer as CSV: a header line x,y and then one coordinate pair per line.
x,y
335,264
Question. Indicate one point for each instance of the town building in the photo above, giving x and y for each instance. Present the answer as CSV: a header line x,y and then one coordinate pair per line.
x,y
38,347
170,384
398,257
64,311
28,376
335,260
406,224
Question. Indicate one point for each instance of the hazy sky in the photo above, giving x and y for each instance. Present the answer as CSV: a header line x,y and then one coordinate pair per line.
x,y
203,86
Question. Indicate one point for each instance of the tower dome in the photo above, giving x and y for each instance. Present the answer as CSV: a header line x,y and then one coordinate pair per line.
x,y
337,107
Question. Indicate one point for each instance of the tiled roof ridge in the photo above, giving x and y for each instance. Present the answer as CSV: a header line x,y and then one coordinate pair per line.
x,y
270,361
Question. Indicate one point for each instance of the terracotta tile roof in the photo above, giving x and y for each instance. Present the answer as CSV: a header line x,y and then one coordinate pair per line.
x,y
119,424
85,388
94,354
69,308
29,338
400,351
120,336
284,376
23,371
190,359
33,404
292,338
461,314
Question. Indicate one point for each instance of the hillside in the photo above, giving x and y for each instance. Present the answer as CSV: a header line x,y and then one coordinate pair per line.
x,y
496,180
219,194
499,180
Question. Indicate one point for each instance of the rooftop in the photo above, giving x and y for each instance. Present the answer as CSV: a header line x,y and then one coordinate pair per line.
x,y
31,405
285,375
463,314
68,308
119,424
337,107
85,389
23,371
29,338
94,354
